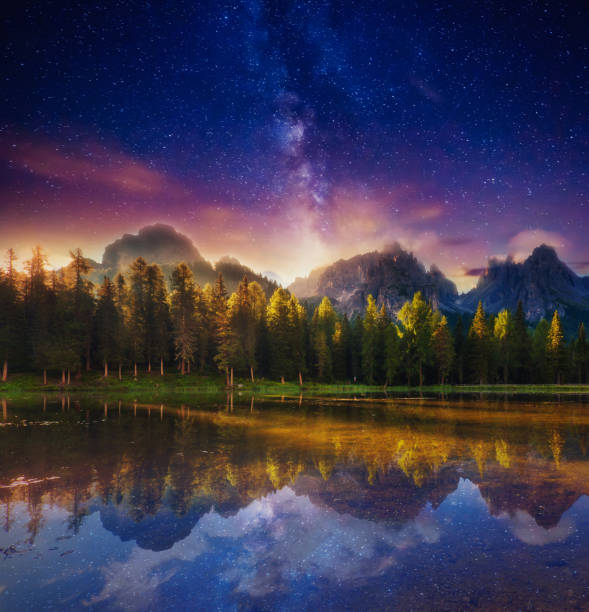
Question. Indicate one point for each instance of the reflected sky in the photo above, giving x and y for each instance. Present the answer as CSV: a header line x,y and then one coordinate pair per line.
x,y
321,504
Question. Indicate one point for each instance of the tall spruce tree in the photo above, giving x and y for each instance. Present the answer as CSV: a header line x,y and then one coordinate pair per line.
x,y
539,354
107,325
323,326
556,348
183,315
443,348
520,347
392,353
416,318
137,312
581,355
157,317
503,337
369,340
478,346
12,327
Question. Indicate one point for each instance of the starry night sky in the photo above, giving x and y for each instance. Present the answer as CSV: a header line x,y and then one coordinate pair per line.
x,y
292,133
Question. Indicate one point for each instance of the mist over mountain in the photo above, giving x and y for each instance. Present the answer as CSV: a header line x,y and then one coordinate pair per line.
x,y
159,242
163,245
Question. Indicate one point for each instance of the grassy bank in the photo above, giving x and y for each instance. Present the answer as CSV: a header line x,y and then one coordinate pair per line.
x,y
174,385
154,385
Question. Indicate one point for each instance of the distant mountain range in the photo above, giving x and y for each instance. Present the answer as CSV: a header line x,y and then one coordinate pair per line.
x,y
163,245
392,276
542,282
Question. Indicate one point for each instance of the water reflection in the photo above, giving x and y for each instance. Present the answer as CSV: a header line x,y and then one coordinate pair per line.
x,y
299,503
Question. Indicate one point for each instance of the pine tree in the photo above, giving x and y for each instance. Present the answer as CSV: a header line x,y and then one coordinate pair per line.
x,y
416,318
121,299
36,311
555,348
520,347
369,340
581,354
157,316
183,314
285,324
137,312
297,317
246,310
322,331
392,357
12,327
227,346
503,336
107,325
443,347
539,355
82,291
459,350
478,346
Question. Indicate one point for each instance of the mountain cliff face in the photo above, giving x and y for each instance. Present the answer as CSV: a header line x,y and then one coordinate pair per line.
x,y
542,282
391,276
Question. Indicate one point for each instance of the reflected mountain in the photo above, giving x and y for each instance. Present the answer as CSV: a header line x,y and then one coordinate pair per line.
x,y
152,472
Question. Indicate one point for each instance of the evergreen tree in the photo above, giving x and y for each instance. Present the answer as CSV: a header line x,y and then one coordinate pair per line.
x,y
323,326
443,347
581,355
36,311
339,344
503,336
478,346
416,318
539,354
555,349
298,335
121,299
12,328
392,353
383,322
157,317
107,325
369,340
82,297
137,312
520,347
183,314
246,308
206,329
459,350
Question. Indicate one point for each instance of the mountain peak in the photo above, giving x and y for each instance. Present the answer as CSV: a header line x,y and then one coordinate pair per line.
x,y
543,283
392,276
157,242
544,253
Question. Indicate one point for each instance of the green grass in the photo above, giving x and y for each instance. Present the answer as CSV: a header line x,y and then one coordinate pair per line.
x,y
174,385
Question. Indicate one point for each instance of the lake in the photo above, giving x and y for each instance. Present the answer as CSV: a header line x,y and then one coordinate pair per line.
x,y
294,504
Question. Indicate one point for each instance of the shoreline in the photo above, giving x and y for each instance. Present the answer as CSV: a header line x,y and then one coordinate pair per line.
x,y
192,384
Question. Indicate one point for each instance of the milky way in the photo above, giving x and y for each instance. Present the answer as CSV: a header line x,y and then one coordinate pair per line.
x,y
291,133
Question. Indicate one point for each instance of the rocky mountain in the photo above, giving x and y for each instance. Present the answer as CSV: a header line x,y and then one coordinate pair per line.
x,y
163,245
392,276
542,282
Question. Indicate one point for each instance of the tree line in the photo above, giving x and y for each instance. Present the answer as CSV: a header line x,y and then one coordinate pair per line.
x,y
58,321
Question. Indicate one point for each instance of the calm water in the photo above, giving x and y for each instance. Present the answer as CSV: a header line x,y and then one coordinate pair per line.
x,y
294,505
